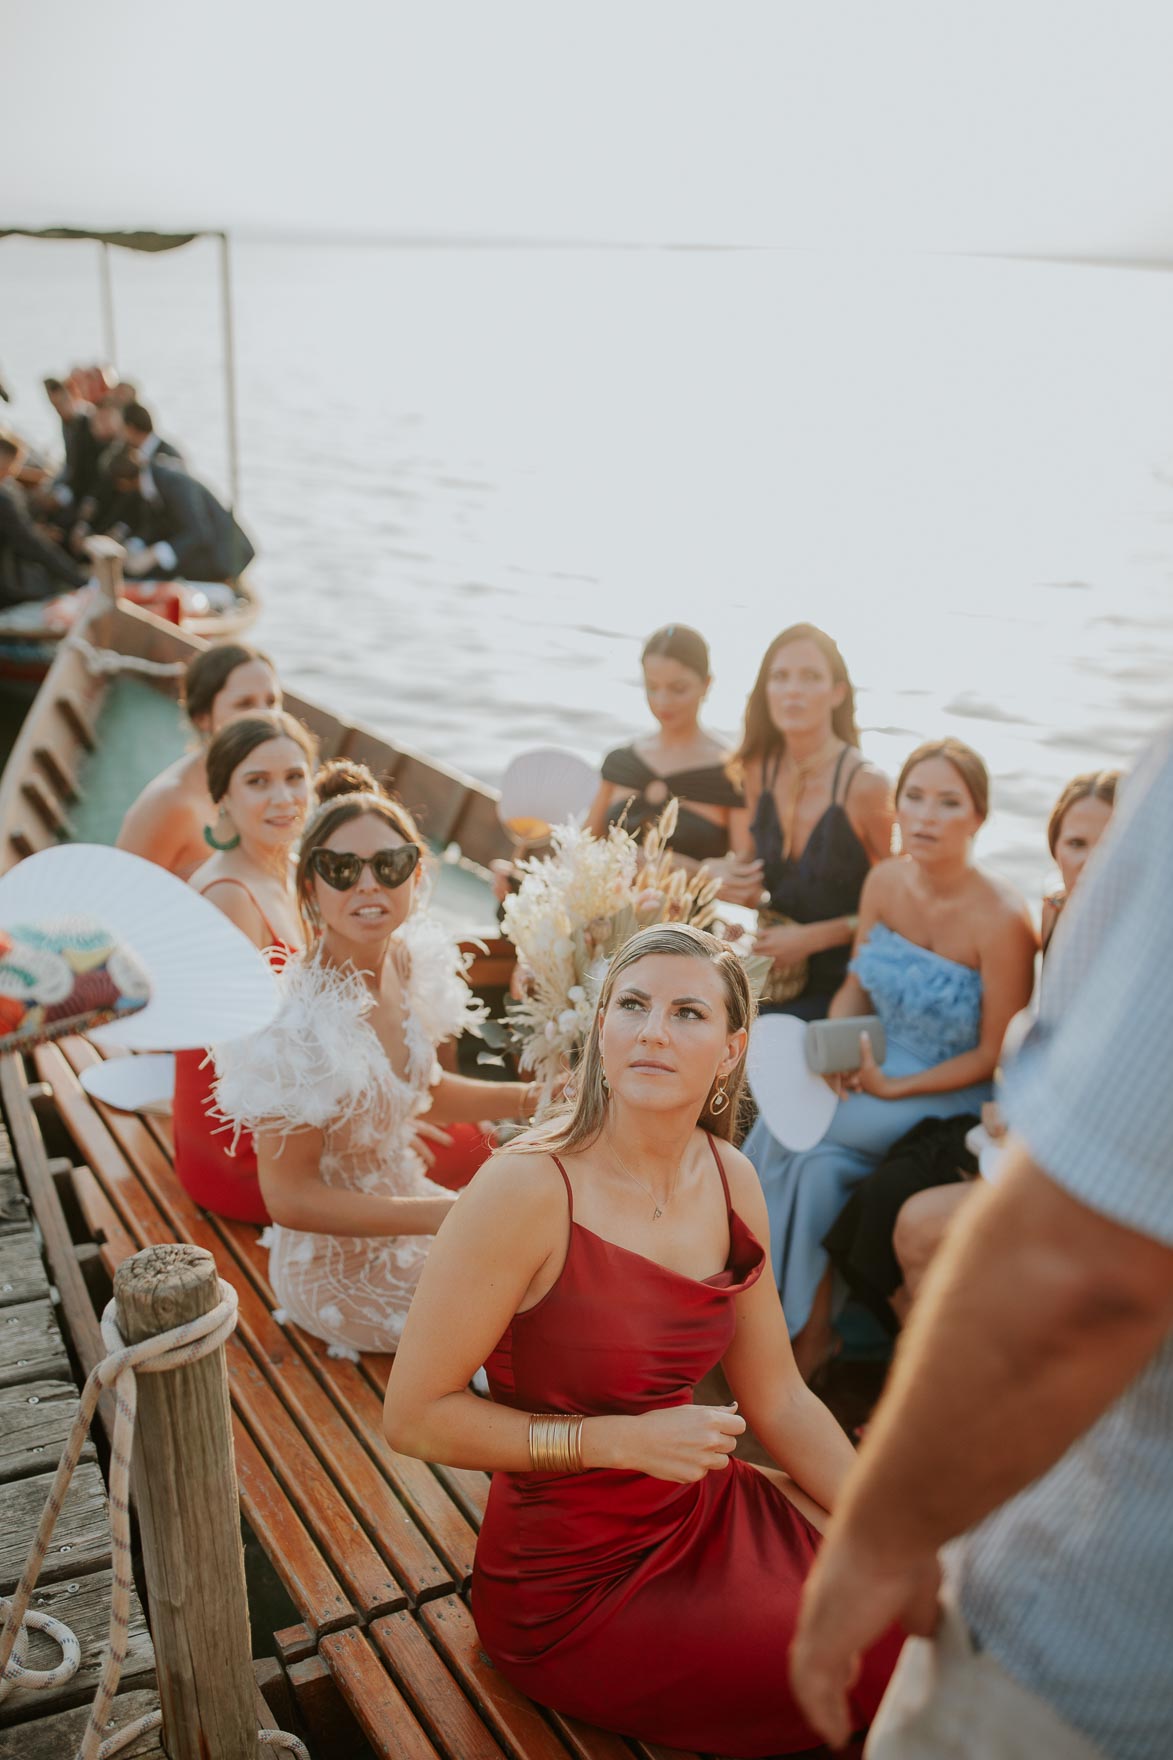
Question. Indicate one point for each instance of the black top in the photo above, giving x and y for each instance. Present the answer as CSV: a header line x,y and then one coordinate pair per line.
x,y
828,876
695,835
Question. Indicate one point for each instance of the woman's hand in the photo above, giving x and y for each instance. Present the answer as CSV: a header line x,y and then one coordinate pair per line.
x,y
683,1443
426,1134
785,944
869,1078
739,882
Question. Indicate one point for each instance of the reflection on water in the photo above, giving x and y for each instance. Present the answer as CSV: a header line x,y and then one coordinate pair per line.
x,y
479,477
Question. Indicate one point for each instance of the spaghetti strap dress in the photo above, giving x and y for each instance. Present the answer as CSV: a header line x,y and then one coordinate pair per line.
x,y
708,785
220,1173
824,881
658,1610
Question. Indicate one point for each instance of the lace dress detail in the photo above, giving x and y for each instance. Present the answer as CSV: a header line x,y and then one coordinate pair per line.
x,y
929,1004
321,1066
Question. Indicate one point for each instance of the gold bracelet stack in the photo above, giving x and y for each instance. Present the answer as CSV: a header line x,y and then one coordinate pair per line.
x,y
555,1443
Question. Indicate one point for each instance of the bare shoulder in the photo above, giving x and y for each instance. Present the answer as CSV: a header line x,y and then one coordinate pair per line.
x,y
745,1188
523,1189
871,787
1004,907
884,882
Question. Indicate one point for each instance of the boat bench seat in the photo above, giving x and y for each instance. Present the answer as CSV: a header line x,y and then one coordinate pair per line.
x,y
374,1549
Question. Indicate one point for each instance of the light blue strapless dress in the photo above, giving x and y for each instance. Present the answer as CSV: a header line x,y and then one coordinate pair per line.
x,y
931,1008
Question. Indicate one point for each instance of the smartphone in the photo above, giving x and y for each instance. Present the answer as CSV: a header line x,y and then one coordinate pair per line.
x,y
833,1046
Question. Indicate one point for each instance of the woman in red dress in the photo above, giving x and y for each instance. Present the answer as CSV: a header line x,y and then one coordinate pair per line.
x,y
629,1571
259,776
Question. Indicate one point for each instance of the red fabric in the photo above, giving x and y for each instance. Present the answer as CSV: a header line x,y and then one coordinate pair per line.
x,y
659,1610
454,1166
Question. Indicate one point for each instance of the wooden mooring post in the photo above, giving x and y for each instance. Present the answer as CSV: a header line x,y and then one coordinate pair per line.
x,y
185,1487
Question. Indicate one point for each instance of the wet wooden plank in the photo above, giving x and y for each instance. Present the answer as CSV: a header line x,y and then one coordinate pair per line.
x,y
35,1419
58,1738
379,1708
81,1537
22,1272
83,1603
516,1720
31,1346
436,1698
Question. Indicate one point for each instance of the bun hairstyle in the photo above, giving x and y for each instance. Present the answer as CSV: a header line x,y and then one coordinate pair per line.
x,y
233,744
965,761
210,671
339,776
345,791
760,737
676,641
1092,785
580,1122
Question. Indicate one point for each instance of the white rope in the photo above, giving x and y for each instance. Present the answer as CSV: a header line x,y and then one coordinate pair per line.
x,y
169,1350
105,662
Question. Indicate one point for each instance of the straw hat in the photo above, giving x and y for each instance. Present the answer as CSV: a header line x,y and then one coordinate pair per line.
x,y
97,934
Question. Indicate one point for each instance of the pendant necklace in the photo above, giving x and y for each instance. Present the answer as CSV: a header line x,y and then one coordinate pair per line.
x,y
657,1208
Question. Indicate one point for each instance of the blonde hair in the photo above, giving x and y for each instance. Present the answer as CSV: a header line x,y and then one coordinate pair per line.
x,y
581,1120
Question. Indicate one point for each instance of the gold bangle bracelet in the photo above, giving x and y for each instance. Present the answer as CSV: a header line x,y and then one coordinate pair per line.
x,y
555,1442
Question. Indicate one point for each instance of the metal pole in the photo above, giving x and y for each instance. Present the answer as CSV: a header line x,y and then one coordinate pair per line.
x,y
229,372
108,332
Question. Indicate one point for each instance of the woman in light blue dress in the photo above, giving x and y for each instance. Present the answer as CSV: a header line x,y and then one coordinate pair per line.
x,y
945,956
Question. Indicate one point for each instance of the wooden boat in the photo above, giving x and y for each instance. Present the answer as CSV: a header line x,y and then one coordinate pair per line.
x,y
29,641
107,719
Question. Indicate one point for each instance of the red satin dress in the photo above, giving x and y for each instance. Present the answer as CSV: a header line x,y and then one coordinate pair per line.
x,y
662,1611
220,1177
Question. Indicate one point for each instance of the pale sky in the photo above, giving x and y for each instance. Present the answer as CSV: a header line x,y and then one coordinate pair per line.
x,y
1025,126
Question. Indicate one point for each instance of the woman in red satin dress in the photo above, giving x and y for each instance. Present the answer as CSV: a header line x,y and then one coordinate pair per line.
x,y
600,1267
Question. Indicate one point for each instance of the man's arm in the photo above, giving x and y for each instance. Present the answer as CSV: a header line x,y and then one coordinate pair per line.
x,y
1036,1315
22,540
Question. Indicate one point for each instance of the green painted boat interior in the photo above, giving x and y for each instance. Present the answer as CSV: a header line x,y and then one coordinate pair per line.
x,y
140,731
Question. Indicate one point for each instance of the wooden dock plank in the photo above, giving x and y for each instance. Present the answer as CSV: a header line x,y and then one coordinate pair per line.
x,y
31,1346
451,1721
517,1722
81,1537
14,1209
382,1712
83,1603
22,1273
35,1419
59,1737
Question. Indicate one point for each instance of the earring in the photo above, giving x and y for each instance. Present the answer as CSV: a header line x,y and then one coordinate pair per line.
x,y
719,1101
603,1079
213,842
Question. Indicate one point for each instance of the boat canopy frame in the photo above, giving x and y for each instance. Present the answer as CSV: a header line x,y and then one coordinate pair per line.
x,y
153,243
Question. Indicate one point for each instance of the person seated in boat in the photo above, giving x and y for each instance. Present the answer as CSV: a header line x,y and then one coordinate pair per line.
x,y
335,1089
31,565
188,534
259,775
77,477
140,433
628,1571
892,1226
171,821
680,758
945,956
818,817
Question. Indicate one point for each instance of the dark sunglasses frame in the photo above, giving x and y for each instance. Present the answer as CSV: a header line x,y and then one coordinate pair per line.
x,y
391,867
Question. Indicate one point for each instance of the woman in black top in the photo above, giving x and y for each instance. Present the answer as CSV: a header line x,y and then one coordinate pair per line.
x,y
679,759
818,816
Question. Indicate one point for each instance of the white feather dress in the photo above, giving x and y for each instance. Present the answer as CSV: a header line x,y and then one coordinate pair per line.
x,y
320,1065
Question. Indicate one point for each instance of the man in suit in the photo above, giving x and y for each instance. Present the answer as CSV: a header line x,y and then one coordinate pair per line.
x,y
78,477
30,566
140,433
189,533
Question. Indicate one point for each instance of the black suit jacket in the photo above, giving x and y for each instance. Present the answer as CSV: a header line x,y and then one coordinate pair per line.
x,y
30,568
208,543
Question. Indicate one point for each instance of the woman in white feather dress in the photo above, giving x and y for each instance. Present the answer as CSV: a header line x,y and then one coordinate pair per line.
x,y
334,1090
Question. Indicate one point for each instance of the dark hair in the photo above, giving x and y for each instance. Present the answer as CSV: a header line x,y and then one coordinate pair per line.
x,y
136,415
233,744
124,465
676,641
210,671
339,776
336,809
965,761
1090,785
760,737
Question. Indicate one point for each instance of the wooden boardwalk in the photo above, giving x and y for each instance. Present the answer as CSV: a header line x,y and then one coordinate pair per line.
x,y
38,1402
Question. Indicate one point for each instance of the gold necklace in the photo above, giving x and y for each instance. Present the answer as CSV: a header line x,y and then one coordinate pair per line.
x,y
657,1208
803,772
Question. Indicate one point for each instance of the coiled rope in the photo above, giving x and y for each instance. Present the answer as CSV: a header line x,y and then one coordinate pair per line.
x,y
168,1350
105,662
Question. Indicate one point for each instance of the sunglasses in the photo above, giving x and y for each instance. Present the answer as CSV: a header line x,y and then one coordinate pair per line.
x,y
342,870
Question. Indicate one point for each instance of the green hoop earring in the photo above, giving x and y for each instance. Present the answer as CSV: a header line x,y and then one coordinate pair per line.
x,y
213,842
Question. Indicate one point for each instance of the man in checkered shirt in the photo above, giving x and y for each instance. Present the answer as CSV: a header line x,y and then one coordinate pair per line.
x,y
1031,1407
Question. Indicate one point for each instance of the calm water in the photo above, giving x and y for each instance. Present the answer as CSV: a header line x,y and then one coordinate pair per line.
x,y
479,477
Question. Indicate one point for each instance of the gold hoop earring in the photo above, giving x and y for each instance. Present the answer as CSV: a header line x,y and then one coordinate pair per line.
x,y
719,1101
604,1081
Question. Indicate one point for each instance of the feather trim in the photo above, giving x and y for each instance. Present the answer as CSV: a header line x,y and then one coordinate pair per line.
x,y
438,997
